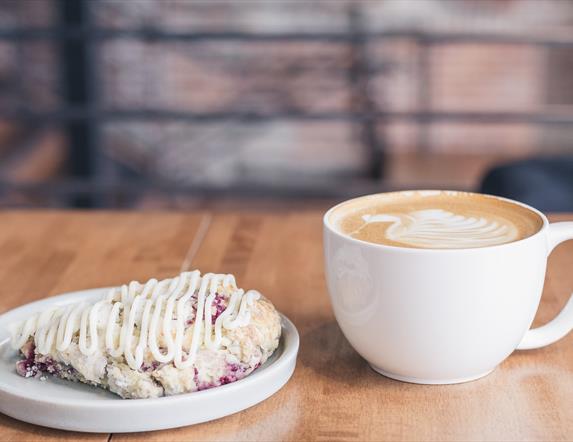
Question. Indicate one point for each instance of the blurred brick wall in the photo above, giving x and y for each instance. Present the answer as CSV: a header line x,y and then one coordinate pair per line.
x,y
310,77
28,78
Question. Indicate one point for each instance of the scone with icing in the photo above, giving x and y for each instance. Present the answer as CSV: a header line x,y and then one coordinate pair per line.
x,y
160,338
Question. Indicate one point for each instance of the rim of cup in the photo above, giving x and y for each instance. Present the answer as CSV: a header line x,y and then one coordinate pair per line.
x,y
328,225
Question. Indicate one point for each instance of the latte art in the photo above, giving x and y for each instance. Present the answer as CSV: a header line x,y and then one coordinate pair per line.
x,y
435,220
437,228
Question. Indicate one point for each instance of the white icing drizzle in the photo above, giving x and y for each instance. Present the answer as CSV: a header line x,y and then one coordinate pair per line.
x,y
438,228
154,317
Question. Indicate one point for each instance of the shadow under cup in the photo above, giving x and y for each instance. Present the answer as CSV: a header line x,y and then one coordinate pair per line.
x,y
436,316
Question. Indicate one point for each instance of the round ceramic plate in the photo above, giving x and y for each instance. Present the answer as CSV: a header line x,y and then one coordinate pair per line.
x,y
73,406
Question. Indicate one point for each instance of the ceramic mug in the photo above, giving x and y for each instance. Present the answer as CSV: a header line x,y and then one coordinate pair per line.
x,y
442,316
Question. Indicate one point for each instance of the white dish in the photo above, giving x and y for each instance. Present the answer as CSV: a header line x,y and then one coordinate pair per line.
x,y
78,407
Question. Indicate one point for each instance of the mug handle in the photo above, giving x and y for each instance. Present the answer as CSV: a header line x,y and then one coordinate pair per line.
x,y
563,322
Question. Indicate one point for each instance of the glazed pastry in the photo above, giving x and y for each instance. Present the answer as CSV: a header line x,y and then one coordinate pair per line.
x,y
160,338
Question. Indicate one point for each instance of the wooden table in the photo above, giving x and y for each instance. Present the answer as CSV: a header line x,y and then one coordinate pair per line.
x,y
333,395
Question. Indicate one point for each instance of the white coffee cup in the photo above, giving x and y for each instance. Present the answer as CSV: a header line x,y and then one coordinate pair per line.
x,y
442,316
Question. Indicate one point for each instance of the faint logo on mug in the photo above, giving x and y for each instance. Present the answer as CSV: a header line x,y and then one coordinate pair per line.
x,y
354,287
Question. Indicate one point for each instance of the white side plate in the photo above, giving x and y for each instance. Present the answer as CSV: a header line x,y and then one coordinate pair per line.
x,y
72,406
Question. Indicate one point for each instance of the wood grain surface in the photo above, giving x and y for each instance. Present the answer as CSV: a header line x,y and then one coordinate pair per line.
x,y
333,395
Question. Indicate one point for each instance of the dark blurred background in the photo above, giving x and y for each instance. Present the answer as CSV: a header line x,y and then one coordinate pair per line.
x,y
186,104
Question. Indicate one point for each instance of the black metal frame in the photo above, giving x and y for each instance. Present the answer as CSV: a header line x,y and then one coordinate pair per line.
x,y
94,179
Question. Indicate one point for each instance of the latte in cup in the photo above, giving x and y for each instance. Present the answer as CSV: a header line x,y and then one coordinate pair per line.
x,y
435,220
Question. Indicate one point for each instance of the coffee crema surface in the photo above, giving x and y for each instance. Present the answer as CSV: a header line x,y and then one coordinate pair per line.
x,y
435,220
